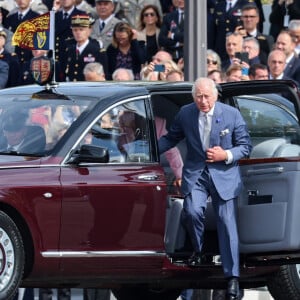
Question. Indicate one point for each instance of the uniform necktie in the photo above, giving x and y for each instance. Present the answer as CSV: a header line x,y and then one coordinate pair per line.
x,y
66,16
102,25
20,17
229,5
77,53
206,132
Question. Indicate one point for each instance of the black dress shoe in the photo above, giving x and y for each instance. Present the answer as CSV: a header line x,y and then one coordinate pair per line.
x,y
233,289
195,260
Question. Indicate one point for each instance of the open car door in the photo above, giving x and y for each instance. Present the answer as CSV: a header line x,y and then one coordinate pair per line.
x,y
268,218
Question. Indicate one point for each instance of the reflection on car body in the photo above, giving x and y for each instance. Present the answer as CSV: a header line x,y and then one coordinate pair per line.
x,y
93,208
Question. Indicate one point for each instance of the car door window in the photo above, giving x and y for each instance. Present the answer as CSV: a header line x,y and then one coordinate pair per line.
x,y
124,132
273,127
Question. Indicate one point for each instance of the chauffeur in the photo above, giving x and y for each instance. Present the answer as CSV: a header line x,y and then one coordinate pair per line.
x,y
85,50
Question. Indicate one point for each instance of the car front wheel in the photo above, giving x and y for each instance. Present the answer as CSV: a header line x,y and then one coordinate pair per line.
x,y
11,257
285,284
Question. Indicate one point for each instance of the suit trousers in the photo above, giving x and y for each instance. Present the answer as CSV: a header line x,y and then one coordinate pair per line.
x,y
225,210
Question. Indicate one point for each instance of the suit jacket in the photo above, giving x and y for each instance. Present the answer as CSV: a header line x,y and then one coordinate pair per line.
x,y
292,69
173,155
4,69
277,16
104,36
175,45
228,131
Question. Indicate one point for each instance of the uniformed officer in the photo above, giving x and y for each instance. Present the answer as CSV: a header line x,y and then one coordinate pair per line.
x,y
85,50
12,61
227,16
23,13
63,32
103,28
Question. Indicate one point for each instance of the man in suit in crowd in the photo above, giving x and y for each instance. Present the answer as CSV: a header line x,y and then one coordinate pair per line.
x,y
172,32
276,64
103,27
13,20
286,43
217,138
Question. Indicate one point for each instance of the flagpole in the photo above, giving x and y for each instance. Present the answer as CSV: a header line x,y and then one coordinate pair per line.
x,y
52,41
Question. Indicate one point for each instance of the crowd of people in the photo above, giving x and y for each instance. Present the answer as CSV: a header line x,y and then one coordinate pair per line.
x,y
97,40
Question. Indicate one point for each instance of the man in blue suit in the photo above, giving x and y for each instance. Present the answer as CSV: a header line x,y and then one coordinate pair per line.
x,y
216,137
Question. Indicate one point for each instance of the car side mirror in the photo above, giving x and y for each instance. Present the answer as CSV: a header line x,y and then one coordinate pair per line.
x,y
90,154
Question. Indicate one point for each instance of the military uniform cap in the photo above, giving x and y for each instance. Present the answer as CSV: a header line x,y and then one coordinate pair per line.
x,y
82,21
104,1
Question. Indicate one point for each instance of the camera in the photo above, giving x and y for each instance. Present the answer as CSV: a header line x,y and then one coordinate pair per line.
x,y
159,68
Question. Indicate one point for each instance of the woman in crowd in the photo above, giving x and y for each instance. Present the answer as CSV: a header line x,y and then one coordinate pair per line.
x,y
149,28
213,60
125,51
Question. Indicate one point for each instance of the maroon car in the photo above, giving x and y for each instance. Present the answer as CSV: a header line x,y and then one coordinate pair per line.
x,y
86,201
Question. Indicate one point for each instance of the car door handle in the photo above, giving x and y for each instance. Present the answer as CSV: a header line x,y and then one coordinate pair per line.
x,y
265,171
148,177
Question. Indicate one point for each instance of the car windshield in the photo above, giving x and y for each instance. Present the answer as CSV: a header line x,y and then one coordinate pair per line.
x,y
32,126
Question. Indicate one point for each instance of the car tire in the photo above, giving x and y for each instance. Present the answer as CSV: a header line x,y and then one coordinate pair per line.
x,y
146,294
11,257
285,284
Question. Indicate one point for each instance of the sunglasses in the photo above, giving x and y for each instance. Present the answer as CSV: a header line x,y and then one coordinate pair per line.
x,y
149,14
214,62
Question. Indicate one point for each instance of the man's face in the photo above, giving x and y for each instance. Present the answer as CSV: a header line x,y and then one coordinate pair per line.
x,y
285,43
296,36
15,137
276,63
204,97
2,42
67,4
160,57
104,9
81,34
261,74
93,76
250,19
249,46
234,44
23,4
235,75
180,4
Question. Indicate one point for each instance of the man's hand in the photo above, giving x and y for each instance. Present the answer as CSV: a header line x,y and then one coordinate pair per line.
x,y
216,154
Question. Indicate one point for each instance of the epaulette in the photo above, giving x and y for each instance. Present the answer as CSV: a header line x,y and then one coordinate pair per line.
x,y
102,50
261,37
14,54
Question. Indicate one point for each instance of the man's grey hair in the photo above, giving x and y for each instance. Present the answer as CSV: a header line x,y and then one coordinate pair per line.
x,y
208,82
252,39
93,67
294,25
128,71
